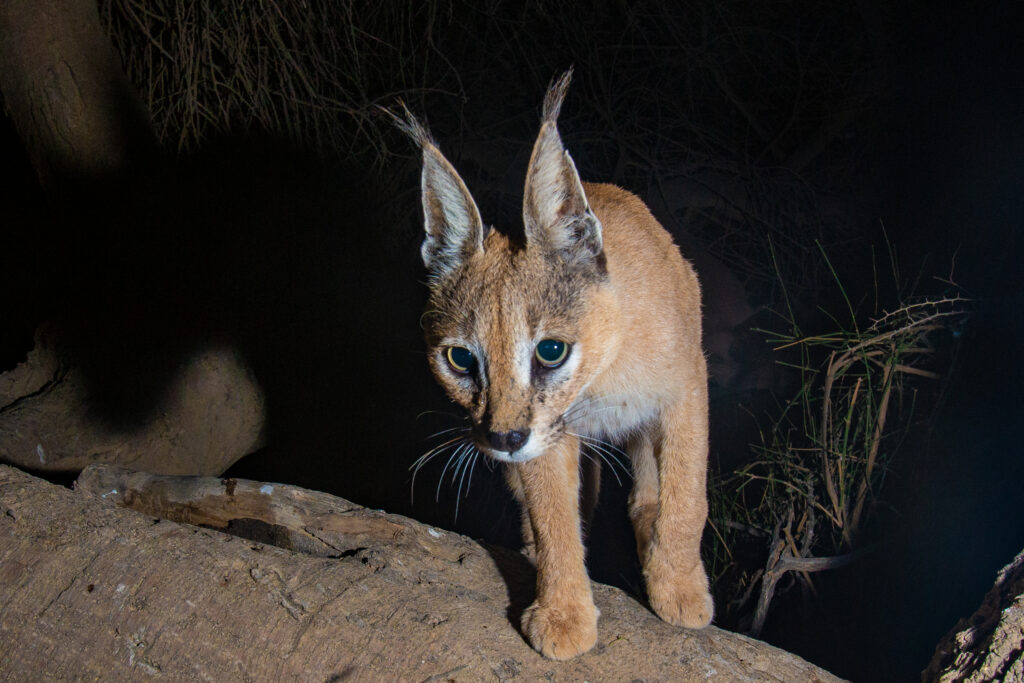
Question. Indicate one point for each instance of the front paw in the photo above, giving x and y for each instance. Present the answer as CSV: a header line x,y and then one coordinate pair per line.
x,y
681,598
561,631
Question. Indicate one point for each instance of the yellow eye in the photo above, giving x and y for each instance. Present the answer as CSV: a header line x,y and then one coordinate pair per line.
x,y
460,359
551,352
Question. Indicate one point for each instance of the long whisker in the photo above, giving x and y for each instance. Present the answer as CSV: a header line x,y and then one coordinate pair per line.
x,y
426,457
612,460
490,463
586,407
615,455
472,466
586,411
455,456
459,462
464,430
459,465
590,457
457,416
611,466
607,452
468,460
608,447
430,455
581,405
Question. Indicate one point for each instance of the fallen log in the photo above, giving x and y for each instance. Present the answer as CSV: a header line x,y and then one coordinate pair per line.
x,y
93,591
211,414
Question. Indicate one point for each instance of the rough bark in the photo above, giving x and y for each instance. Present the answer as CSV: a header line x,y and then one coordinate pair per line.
x,y
91,591
210,415
989,645
65,91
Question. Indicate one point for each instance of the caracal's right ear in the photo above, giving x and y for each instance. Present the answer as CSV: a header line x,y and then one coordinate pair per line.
x,y
450,217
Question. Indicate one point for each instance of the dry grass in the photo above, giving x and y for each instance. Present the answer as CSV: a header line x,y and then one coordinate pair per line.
x,y
718,114
304,71
816,477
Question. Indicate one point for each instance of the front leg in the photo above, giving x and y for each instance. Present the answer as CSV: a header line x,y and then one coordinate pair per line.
x,y
677,584
515,484
562,621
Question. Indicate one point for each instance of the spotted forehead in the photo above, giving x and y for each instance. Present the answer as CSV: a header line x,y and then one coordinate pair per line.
x,y
513,295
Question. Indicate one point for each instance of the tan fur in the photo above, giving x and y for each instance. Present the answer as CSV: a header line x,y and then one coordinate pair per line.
x,y
599,273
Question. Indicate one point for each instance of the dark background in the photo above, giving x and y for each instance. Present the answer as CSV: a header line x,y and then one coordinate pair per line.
x,y
309,264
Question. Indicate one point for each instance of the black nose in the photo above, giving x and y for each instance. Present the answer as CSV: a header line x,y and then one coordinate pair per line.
x,y
509,442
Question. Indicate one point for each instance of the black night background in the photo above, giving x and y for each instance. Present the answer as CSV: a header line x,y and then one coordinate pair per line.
x,y
848,156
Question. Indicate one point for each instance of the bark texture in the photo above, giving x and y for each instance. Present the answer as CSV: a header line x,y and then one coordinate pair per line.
x,y
91,591
989,645
65,91
210,415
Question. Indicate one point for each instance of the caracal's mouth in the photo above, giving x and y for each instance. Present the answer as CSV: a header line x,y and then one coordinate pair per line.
x,y
535,446
524,454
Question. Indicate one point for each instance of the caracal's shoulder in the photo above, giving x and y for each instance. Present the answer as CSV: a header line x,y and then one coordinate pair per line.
x,y
630,231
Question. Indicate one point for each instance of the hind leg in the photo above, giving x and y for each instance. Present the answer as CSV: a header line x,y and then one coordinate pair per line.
x,y
643,498
590,491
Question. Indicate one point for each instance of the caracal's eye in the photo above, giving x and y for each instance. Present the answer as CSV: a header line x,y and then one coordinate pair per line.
x,y
551,352
460,359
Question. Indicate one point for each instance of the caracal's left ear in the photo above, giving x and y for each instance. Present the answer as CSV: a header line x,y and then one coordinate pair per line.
x,y
556,214
454,231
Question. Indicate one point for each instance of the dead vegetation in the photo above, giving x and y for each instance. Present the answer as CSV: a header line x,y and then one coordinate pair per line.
x,y
745,131
817,476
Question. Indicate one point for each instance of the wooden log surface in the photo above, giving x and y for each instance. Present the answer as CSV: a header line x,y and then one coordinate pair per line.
x,y
89,590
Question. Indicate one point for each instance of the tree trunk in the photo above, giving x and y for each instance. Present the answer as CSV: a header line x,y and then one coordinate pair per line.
x,y
989,645
89,137
66,93
91,591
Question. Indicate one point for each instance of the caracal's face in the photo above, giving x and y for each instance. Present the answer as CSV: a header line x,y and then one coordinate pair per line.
x,y
515,332
508,340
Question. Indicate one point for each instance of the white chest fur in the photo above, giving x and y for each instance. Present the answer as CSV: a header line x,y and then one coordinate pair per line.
x,y
611,417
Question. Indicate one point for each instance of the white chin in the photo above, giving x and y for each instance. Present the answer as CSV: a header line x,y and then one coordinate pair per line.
x,y
527,452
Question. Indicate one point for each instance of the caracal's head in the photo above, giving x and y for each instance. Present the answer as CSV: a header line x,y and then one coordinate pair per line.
x,y
516,331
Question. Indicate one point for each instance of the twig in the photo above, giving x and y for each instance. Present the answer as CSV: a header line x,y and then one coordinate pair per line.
x,y
779,563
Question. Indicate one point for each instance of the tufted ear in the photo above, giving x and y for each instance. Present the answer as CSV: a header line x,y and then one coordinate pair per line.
x,y
556,214
454,231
